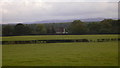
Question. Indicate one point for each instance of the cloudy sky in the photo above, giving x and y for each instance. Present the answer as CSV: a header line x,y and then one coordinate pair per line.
x,y
15,11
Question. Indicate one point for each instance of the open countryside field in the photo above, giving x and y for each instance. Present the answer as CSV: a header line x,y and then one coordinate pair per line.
x,y
50,37
61,54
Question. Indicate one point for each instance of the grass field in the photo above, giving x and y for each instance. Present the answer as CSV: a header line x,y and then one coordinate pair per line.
x,y
50,37
61,54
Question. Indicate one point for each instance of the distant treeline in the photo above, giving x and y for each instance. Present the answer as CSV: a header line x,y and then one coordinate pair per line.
x,y
107,26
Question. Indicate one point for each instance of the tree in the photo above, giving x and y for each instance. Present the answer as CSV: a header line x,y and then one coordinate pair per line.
x,y
78,27
7,30
106,27
40,29
20,29
51,30
27,30
94,27
115,26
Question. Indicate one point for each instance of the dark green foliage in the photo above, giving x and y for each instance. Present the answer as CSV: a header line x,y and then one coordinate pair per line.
x,y
7,30
115,26
40,29
76,27
105,26
21,29
28,30
93,27
109,26
51,30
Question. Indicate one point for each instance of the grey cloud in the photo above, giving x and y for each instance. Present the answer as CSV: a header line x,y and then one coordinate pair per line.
x,y
36,11
60,0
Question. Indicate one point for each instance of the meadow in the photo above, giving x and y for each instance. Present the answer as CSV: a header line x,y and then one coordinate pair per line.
x,y
50,37
61,54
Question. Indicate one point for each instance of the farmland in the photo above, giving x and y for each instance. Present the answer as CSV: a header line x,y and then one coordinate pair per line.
x,y
61,54
49,37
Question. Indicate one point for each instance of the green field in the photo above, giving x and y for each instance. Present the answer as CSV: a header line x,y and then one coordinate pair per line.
x,y
49,37
61,54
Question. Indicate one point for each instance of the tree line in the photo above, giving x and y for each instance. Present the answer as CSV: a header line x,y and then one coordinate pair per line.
x,y
106,26
76,27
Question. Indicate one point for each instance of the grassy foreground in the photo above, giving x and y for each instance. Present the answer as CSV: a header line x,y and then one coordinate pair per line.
x,y
61,54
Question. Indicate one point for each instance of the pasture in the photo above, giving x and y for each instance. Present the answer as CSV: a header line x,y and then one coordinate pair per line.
x,y
61,54
50,37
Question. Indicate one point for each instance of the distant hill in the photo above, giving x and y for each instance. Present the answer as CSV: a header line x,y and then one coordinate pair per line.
x,y
63,21
49,21
92,19
69,20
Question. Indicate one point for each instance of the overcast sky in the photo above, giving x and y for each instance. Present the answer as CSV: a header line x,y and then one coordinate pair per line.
x,y
14,11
